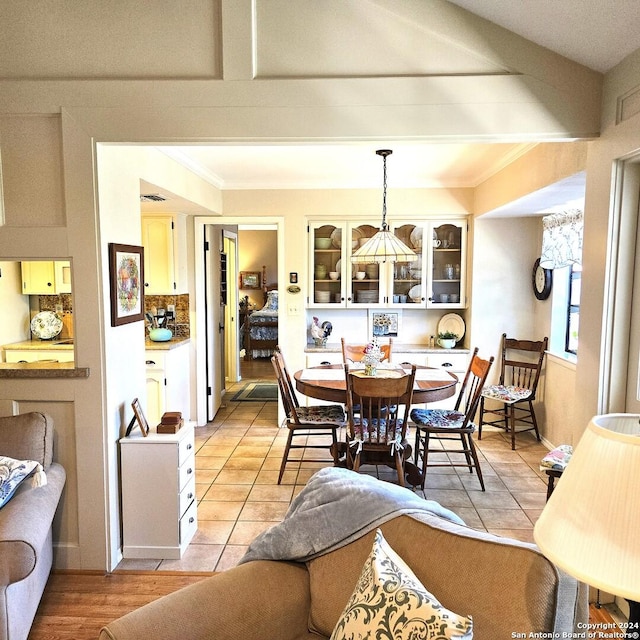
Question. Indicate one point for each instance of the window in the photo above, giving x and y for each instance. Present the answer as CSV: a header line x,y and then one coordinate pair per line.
x,y
573,309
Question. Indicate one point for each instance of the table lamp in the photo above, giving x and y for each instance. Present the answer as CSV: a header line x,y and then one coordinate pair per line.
x,y
590,527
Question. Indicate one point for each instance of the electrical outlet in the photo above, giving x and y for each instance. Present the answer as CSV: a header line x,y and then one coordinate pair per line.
x,y
171,312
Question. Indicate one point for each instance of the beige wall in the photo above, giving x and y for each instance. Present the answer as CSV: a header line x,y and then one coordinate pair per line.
x,y
258,249
139,89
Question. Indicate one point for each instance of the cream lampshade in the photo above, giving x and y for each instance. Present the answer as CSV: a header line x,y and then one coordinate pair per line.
x,y
590,527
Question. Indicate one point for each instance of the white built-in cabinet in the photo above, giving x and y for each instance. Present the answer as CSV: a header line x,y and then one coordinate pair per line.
x,y
436,280
46,277
159,506
167,380
164,238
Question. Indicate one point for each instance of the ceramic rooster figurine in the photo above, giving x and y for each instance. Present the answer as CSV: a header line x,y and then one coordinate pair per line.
x,y
320,332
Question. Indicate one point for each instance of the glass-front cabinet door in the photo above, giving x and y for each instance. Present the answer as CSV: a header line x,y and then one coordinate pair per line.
x,y
328,265
367,280
435,280
407,280
446,285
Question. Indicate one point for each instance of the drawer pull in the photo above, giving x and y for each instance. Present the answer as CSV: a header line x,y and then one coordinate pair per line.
x,y
150,362
191,520
189,471
189,495
189,446
447,364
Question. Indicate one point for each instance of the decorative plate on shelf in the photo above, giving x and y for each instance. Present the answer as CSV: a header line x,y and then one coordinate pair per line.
x,y
46,325
416,238
452,322
336,238
414,292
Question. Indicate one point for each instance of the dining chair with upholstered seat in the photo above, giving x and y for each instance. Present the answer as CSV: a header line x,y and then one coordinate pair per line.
x,y
377,413
455,425
355,352
520,369
306,422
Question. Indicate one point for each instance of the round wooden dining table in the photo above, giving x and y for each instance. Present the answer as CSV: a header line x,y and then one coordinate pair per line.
x,y
327,382
431,384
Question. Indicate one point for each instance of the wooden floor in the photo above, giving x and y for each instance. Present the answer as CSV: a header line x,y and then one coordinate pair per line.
x,y
76,606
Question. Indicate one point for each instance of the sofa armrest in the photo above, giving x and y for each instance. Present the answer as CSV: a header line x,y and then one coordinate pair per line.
x,y
257,600
25,522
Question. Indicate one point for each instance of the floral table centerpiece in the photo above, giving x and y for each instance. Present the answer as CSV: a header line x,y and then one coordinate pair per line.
x,y
372,357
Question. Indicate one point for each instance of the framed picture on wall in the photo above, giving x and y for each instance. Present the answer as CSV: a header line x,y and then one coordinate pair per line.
x,y
249,279
384,323
126,280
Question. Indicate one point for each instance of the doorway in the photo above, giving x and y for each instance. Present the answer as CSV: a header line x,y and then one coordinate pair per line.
x,y
211,367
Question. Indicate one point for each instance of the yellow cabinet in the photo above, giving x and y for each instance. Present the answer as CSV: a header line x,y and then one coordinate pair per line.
x,y
164,241
42,277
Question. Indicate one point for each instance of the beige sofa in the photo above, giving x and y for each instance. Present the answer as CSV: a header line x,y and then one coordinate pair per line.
x,y
507,586
26,547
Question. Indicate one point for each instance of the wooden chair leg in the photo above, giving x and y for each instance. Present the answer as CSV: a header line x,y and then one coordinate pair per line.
x,y
481,418
533,420
285,455
467,452
474,453
399,460
511,418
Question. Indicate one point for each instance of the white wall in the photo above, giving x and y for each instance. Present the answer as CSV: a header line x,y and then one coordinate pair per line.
x,y
14,306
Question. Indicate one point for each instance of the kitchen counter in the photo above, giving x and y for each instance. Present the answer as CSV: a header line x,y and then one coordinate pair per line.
x,y
41,345
176,341
398,347
42,370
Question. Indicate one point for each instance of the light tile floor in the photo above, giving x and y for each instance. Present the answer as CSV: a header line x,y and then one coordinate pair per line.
x,y
237,461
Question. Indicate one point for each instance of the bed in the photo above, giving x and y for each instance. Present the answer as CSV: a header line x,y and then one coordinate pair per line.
x,y
259,331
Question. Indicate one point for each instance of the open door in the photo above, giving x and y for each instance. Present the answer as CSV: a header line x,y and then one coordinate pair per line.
x,y
231,333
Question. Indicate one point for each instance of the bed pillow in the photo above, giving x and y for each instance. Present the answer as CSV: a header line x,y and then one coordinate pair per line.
x,y
390,602
272,301
14,472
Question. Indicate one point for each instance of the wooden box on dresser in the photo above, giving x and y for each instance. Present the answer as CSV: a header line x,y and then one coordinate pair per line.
x,y
159,506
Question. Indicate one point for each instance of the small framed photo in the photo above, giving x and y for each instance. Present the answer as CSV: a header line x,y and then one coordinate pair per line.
x,y
126,281
139,417
385,323
249,279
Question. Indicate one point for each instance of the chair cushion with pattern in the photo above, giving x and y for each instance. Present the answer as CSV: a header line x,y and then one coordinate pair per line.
x,y
438,418
506,393
376,431
321,414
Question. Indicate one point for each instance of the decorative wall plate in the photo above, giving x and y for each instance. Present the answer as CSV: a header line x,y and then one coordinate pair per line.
x,y
452,322
46,325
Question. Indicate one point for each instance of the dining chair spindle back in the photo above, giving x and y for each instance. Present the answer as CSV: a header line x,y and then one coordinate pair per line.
x,y
377,413
455,425
520,369
320,422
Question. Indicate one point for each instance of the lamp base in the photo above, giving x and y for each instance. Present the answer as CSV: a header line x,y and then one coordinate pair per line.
x,y
633,630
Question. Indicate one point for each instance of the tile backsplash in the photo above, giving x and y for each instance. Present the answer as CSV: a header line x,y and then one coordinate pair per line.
x,y
180,326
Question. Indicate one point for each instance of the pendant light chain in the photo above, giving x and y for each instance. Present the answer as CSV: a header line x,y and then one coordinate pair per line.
x,y
384,192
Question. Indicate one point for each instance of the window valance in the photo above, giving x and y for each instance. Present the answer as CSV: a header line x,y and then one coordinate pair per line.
x,y
562,239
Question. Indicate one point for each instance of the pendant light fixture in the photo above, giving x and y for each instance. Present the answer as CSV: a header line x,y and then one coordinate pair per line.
x,y
384,246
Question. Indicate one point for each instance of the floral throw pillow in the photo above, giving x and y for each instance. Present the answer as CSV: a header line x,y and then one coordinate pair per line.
x,y
390,602
13,472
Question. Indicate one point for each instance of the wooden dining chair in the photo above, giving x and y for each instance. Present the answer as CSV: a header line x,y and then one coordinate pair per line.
x,y
355,352
305,422
376,431
520,369
455,424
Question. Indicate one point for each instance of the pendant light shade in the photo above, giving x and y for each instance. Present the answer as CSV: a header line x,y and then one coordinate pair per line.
x,y
384,246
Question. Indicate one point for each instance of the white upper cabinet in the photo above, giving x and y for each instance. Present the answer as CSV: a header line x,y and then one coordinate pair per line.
x,y
436,279
165,259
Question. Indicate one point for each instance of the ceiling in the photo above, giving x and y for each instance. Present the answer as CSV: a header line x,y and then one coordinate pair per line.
x,y
581,30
